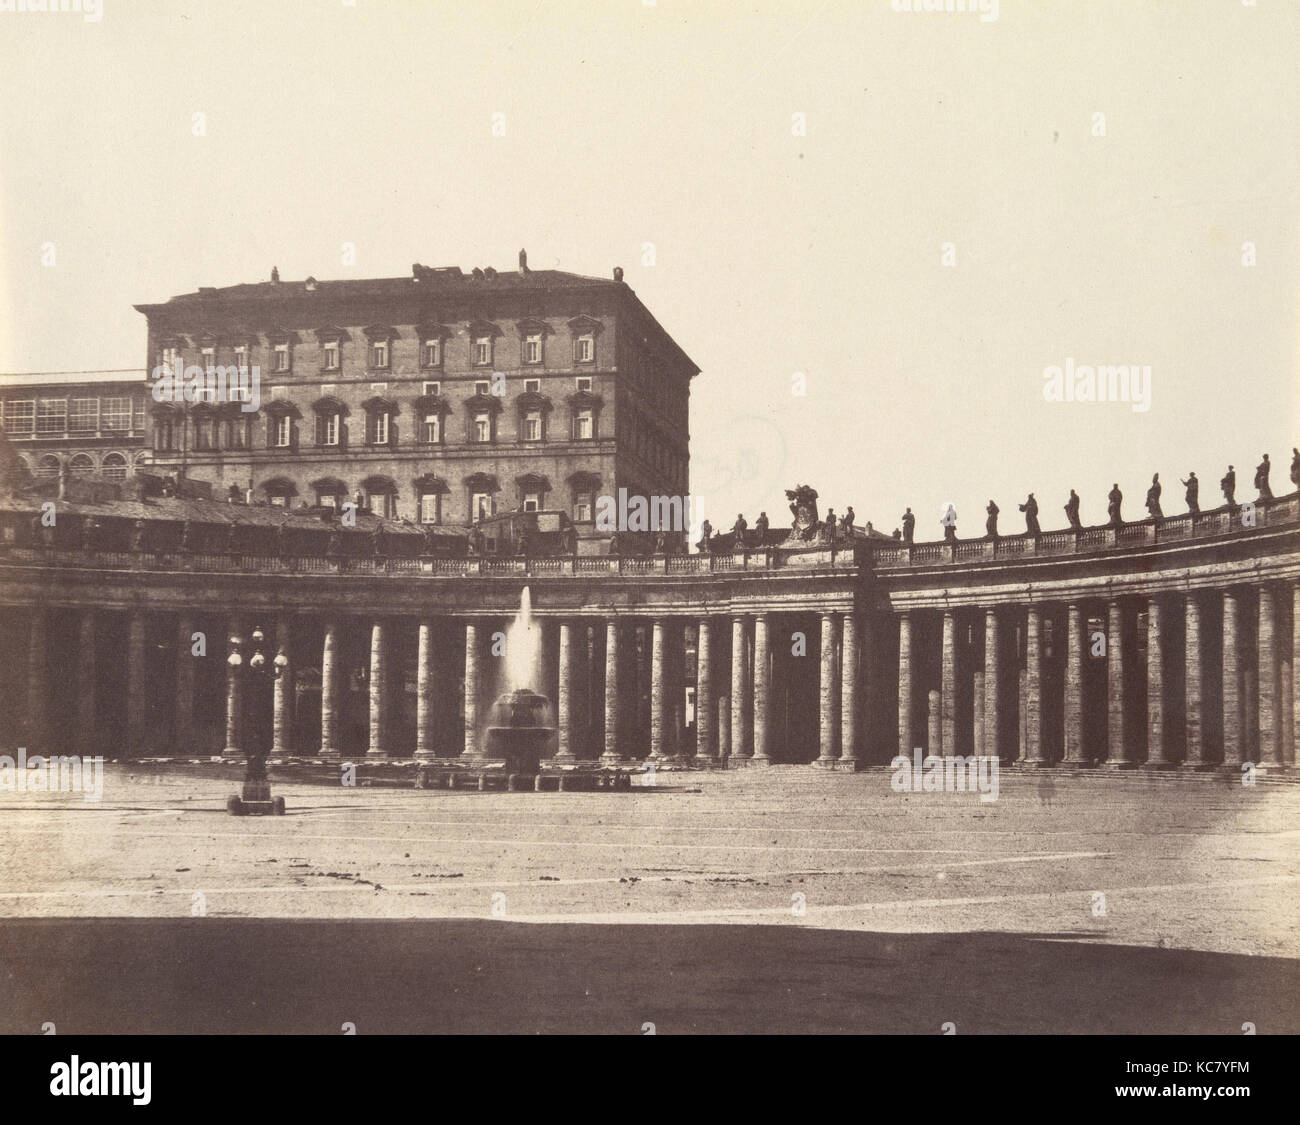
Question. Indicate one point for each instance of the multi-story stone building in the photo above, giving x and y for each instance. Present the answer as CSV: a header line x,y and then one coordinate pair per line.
x,y
89,422
442,397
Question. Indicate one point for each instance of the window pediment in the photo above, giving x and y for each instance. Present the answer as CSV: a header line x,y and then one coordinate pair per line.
x,y
477,404
585,325
279,408
328,404
328,486
482,482
379,332
484,328
278,335
585,400
378,404
428,483
531,400
433,331
533,328
432,404
332,334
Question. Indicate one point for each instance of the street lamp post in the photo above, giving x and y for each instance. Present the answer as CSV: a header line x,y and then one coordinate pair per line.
x,y
255,797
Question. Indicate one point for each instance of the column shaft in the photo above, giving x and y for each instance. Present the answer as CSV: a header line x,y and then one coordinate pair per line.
x,y
471,689
849,689
329,692
1075,640
425,747
826,693
658,703
282,717
1233,743
739,743
1119,749
564,704
704,704
613,746
235,692
378,690
1270,741
905,743
762,686
186,670
948,689
992,685
1034,687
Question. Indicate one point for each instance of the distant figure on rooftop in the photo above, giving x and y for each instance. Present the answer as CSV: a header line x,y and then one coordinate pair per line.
x,y
1114,499
1261,479
909,525
704,546
1072,510
738,530
830,524
1153,498
1030,508
846,523
760,528
1295,466
1193,487
991,524
1229,486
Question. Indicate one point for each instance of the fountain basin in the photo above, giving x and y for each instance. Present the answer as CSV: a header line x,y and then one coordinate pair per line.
x,y
518,732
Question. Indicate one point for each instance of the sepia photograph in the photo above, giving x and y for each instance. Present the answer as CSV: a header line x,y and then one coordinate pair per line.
x,y
649,517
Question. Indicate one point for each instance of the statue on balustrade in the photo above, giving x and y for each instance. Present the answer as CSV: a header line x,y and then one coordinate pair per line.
x,y
909,525
896,534
1295,466
738,530
1030,508
1193,487
803,506
1153,498
570,540
829,525
949,521
760,528
1229,486
1261,479
614,548
1113,501
661,543
991,524
1072,511
378,542
846,523
705,545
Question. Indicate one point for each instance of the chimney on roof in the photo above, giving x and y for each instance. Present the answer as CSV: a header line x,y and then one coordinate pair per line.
x,y
311,285
618,273
275,275
477,273
523,261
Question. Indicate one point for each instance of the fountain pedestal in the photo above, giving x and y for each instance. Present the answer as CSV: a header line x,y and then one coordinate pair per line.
x,y
517,731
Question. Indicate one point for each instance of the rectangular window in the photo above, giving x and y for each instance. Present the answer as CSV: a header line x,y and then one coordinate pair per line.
x,y
378,388
432,354
482,427
171,358
241,356
532,386
582,429
433,389
532,502
482,387
282,357
582,507
21,416
327,500
379,427
533,426
480,506
533,348
379,354
332,356
279,501
280,392
327,389
482,351
203,433
377,502
83,415
431,431
283,431
137,422
583,383
209,358
429,507
51,415
236,433
585,348
329,430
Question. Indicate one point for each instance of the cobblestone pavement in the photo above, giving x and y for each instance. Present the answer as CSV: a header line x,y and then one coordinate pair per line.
x,y
717,900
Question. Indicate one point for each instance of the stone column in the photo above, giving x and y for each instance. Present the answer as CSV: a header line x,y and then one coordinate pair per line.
x,y
282,715
1119,753
564,702
1233,742
826,689
934,722
471,689
658,703
87,733
1270,742
724,728
739,743
425,748
1294,751
977,711
704,704
613,710
329,692
849,691
1075,641
1193,665
235,692
137,687
1157,744
186,670
1034,688
762,687
378,690
905,744
948,693
992,685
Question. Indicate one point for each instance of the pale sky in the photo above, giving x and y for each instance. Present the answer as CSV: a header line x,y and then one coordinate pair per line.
x,y
774,253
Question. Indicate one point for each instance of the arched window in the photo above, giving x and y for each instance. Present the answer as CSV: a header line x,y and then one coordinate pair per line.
x,y
81,465
279,491
330,492
47,466
429,491
482,489
114,466
142,461
380,495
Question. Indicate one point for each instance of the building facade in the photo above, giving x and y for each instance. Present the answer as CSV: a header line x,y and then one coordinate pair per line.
x,y
89,423
1162,644
442,398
